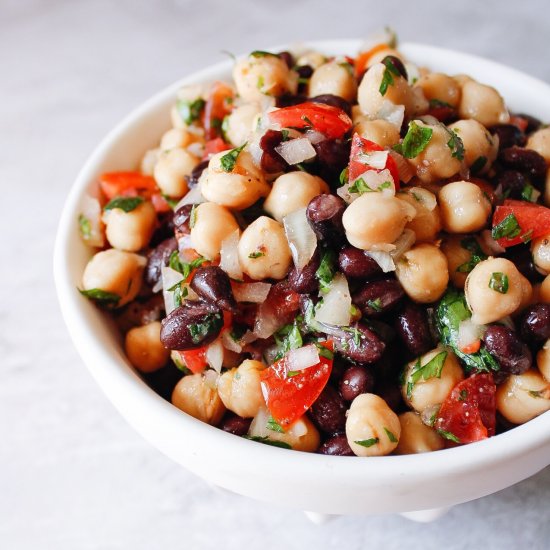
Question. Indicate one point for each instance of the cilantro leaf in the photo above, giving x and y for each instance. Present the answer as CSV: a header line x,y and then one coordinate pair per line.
x,y
448,435
432,369
326,270
508,227
478,255
262,53
274,426
266,441
416,140
85,227
211,323
391,435
124,203
190,111
228,160
287,338
499,282
255,255
368,442
455,144
387,78
102,297
478,165
176,263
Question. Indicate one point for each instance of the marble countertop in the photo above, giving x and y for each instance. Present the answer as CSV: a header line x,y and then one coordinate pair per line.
x,y
73,474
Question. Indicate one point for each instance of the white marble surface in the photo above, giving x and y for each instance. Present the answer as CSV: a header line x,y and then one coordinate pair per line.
x,y
73,475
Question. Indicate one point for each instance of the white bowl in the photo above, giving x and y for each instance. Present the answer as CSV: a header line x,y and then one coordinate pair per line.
x,y
322,484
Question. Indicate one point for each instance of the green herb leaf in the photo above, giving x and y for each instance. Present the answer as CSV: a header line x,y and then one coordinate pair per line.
x,y
508,227
448,435
255,255
102,297
463,395
266,441
387,78
326,270
292,373
274,426
193,216
471,244
437,104
391,435
85,227
499,282
324,352
455,144
124,203
432,369
287,338
343,179
416,140
261,53
199,331
172,203
260,83
285,133
228,160
527,193
538,394
184,268
360,186
368,442
375,304
190,111
478,165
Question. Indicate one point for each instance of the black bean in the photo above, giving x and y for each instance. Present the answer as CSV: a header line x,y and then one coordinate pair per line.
x,y
304,71
288,58
271,161
339,366
512,183
157,258
413,329
535,323
508,135
164,229
328,411
191,325
375,298
333,101
522,258
355,381
324,214
332,157
526,161
234,424
398,64
164,380
360,344
336,445
303,281
182,217
213,285
356,263
287,100
513,356
193,178
533,123
391,394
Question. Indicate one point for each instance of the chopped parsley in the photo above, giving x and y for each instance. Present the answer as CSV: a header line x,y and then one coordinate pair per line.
x,y
437,104
499,282
172,203
260,83
85,227
455,144
387,78
478,165
190,111
193,216
307,120
360,186
274,426
391,435
124,203
184,268
344,176
261,53
237,332
416,140
228,160
287,338
478,255
108,299
537,394
326,270
463,395
527,193
448,435
324,352
285,133
432,369
368,442
266,441
375,304
199,331
255,255
180,292
508,227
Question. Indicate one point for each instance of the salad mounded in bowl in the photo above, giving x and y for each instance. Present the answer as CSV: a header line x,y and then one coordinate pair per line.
x,y
338,255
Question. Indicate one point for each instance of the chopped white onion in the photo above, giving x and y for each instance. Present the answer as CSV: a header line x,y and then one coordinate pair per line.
x,y
302,358
229,256
211,378
374,180
255,293
315,137
196,148
392,113
375,159
336,305
429,414
229,343
383,259
301,238
266,322
491,246
214,355
468,333
91,212
170,277
194,196
406,171
260,427
403,243
295,151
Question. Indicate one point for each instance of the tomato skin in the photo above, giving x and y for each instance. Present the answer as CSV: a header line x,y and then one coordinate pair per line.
x,y
288,398
533,219
159,203
213,146
116,184
218,105
194,359
329,120
469,413
356,168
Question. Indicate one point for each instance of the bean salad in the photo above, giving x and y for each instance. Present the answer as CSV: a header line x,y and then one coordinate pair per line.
x,y
347,256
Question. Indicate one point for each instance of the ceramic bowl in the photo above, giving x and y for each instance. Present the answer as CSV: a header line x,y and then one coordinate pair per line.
x,y
317,483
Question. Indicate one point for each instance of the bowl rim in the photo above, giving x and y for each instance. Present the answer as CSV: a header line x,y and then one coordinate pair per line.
x,y
125,388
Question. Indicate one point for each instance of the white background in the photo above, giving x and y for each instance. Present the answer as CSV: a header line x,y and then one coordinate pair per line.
x,y
73,475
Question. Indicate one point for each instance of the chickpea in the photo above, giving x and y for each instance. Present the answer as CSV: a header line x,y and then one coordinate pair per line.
x,y
544,290
427,222
263,250
522,397
540,249
240,123
422,394
423,273
440,87
144,348
130,231
543,360
293,191
435,162
115,271
333,78
171,169
489,305
263,75
189,94
195,396
237,189
176,137
464,207
311,58
482,103
462,79
416,437
240,388
372,428
457,255
376,218
149,161
379,56
539,141
212,223
382,132
478,144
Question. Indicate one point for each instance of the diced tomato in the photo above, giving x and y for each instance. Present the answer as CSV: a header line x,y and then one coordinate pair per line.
x,y
330,121
194,359
213,146
160,204
227,320
533,221
469,413
471,348
218,105
116,184
519,122
362,60
288,397
360,146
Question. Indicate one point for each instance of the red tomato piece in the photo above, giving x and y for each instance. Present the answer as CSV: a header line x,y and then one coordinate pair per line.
x,y
519,122
116,184
533,221
194,359
469,413
360,146
442,112
289,397
218,105
214,146
160,204
329,120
